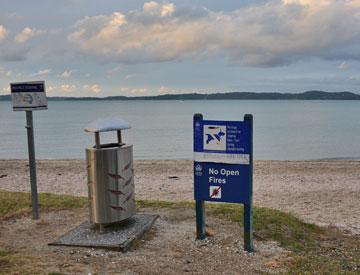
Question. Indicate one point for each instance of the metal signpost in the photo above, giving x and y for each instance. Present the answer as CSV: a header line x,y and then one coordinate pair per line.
x,y
223,168
30,96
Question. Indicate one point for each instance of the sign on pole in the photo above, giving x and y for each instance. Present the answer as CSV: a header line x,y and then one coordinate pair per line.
x,y
30,96
223,167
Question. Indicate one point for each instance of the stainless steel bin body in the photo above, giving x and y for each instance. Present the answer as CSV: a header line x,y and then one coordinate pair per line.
x,y
110,183
110,174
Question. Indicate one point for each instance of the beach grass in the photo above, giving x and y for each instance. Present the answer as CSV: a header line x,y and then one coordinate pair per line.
x,y
15,204
313,249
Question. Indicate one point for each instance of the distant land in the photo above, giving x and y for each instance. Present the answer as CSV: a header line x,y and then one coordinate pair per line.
x,y
309,95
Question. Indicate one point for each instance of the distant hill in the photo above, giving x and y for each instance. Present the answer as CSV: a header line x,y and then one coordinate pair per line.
x,y
309,95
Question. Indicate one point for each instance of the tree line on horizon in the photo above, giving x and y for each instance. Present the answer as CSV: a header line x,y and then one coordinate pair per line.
x,y
308,95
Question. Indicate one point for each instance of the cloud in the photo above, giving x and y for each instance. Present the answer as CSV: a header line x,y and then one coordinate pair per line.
x,y
67,88
65,74
94,88
13,53
343,66
44,72
73,89
133,90
270,34
3,32
166,90
6,89
26,34
4,72
129,76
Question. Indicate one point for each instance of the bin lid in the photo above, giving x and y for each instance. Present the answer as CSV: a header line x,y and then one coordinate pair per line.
x,y
107,124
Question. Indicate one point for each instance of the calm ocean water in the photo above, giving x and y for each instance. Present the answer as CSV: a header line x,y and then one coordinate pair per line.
x,y
283,130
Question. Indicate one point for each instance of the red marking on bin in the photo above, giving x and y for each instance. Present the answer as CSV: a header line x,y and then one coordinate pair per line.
x,y
115,176
128,182
117,208
127,166
128,198
116,192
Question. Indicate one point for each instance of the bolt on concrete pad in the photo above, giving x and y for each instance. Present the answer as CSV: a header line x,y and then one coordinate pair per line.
x,y
119,236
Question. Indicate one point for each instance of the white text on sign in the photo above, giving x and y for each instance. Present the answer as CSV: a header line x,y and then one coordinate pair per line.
x,y
219,176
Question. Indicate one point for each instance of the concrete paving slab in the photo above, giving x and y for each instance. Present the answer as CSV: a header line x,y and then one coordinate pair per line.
x,y
118,236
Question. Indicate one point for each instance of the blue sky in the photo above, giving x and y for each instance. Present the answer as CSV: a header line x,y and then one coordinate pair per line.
x,y
134,48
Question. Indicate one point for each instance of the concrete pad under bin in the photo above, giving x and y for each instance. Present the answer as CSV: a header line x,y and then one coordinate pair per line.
x,y
118,236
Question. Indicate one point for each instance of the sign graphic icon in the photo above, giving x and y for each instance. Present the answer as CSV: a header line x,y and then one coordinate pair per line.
x,y
215,137
198,170
215,192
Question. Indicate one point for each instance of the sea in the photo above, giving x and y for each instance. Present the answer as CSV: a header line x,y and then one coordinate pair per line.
x,y
283,130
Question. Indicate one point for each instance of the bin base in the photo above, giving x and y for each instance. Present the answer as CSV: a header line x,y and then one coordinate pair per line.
x,y
118,236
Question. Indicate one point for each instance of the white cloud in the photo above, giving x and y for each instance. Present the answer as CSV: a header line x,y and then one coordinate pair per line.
x,y
129,76
270,34
26,34
3,32
167,9
4,72
67,88
94,88
133,90
6,89
44,72
343,66
65,74
166,90
151,6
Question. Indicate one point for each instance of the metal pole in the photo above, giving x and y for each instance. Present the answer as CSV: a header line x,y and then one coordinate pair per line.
x,y
32,164
119,137
199,205
200,220
97,140
248,210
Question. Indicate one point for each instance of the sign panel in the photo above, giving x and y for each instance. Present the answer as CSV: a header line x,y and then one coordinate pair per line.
x,y
222,182
222,141
222,170
28,96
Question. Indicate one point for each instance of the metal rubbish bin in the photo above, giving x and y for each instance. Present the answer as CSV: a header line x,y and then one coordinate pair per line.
x,y
110,175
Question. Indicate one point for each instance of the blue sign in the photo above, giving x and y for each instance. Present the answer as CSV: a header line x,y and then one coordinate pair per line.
x,y
222,182
222,168
222,141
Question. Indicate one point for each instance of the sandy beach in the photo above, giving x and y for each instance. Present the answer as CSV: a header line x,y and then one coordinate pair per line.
x,y
323,192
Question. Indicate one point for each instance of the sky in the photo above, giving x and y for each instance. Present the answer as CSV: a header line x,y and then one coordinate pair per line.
x,y
138,48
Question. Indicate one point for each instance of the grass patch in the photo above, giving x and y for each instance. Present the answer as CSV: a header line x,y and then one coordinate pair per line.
x,y
15,263
315,249
14,204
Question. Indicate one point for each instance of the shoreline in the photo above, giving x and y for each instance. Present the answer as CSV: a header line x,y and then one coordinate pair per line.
x,y
324,192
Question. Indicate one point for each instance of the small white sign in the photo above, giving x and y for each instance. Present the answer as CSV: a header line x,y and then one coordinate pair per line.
x,y
28,96
215,137
215,192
